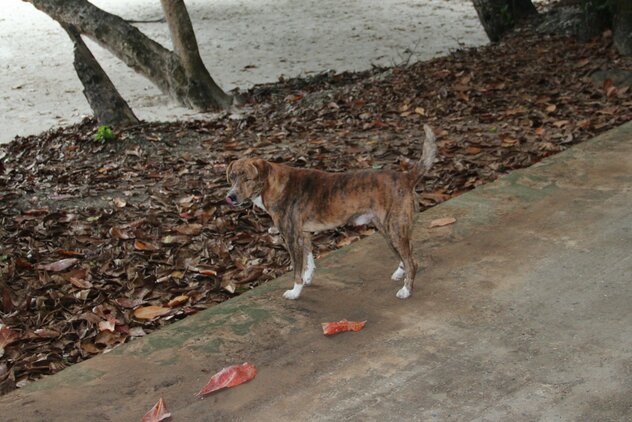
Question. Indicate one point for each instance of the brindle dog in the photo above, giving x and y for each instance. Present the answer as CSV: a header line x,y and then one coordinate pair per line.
x,y
301,201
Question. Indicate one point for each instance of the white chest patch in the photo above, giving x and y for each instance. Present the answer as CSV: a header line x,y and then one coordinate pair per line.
x,y
363,219
259,202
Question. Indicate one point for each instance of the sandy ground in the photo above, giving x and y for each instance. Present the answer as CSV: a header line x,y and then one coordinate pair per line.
x,y
243,42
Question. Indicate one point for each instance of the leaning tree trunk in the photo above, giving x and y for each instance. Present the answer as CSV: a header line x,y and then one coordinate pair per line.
x,y
107,104
499,16
622,26
163,67
186,47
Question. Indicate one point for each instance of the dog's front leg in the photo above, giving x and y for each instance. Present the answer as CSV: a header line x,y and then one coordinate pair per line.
x,y
308,260
295,242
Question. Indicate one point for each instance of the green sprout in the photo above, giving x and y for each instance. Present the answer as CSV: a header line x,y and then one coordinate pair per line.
x,y
104,134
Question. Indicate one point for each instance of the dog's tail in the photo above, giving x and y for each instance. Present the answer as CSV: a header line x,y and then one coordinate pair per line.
x,y
428,158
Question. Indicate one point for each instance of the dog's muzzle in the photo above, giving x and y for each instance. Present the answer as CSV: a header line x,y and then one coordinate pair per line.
x,y
231,198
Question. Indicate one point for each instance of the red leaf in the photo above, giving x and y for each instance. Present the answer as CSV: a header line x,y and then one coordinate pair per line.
x,y
57,266
157,413
229,377
330,328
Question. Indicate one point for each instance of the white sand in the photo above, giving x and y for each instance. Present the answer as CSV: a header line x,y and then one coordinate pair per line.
x,y
243,42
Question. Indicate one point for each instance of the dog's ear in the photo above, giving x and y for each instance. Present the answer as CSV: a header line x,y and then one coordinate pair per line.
x,y
229,168
251,170
262,168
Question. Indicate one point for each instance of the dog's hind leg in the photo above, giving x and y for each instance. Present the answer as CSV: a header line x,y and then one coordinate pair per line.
x,y
308,260
400,272
398,231
410,268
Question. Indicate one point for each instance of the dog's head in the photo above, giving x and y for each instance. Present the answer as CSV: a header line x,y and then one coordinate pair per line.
x,y
247,179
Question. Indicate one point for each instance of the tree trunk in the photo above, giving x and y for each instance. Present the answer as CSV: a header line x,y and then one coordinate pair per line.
x,y
144,55
499,16
107,104
186,48
622,26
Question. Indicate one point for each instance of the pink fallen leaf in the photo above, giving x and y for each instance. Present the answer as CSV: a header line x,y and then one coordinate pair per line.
x,y
440,222
229,377
150,312
57,266
330,328
157,413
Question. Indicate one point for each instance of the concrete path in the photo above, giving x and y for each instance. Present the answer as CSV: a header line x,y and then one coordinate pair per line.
x,y
522,311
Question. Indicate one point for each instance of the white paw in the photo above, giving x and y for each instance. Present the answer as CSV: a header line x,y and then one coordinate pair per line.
x,y
294,293
403,293
308,275
399,273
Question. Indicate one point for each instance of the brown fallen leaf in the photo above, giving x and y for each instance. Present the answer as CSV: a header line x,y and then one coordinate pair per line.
x,y
177,301
108,325
47,333
190,229
346,241
157,413
36,211
150,312
229,377
23,263
440,222
7,336
65,252
119,233
330,328
57,266
7,379
140,245
171,239
581,63
79,278
119,202
472,150
560,123
204,270
508,142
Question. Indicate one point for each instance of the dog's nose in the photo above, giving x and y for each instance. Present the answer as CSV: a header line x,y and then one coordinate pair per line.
x,y
231,198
